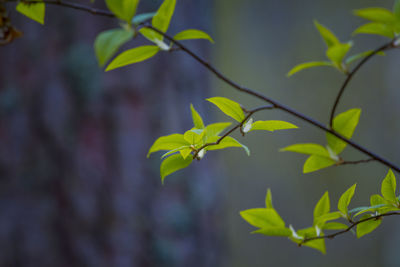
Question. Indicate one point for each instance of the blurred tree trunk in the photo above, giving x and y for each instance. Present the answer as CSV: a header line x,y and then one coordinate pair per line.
x,y
75,186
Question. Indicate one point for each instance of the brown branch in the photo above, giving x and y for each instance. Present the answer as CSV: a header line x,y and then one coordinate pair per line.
x,y
351,75
239,125
356,162
354,224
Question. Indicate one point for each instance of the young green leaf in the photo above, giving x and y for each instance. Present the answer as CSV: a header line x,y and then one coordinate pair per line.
x,y
345,124
315,163
377,14
123,9
229,107
197,120
163,17
228,142
308,65
192,34
194,137
388,188
368,226
345,199
274,231
172,164
262,218
108,42
318,244
396,8
327,35
375,28
154,37
179,149
169,142
361,55
323,207
321,220
272,126
132,56
215,129
308,149
142,18
337,53
268,200
35,11
334,226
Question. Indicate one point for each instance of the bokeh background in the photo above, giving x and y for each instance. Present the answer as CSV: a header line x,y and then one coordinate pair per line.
x,y
76,188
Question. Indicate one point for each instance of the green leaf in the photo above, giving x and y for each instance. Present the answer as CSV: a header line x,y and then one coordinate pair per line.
x,y
375,28
132,56
197,120
274,231
318,244
175,151
169,142
228,142
345,199
369,209
262,218
108,42
368,226
334,226
123,9
154,37
308,149
323,207
194,137
396,8
229,107
272,126
215,129
35,11
376,14
377,200
329,38
337,53
321,220
315,163
388,189
268,200
163,17
172,164
308,65
345,124
142,18
192,34
361,55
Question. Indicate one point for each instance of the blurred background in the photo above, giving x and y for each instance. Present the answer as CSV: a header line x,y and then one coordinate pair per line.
x,y
76,188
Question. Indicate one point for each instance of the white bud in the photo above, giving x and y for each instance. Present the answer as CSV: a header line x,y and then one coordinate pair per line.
x,y
248,125
163,46
294,234
332,154
201,154
318,230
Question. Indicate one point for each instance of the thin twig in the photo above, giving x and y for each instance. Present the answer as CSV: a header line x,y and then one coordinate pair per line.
x,y
237,126
351,75
354,224
356,162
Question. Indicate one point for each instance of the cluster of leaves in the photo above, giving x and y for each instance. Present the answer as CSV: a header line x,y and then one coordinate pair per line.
x,y
323,157
365,219
194,143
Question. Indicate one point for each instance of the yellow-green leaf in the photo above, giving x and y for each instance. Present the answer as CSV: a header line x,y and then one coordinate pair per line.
x,y
337,53
229,142
108,42
368,226
194,137
272,125
358,56
162,18
274,231
388,189
132,56
345,124
315,163
229,107
308,65
334,226
268,200
215,129
192,34
323,207
172,164
376,14
169,142
327,35
34,11
197,120
123,9
345,199
308,149
262,218
375,28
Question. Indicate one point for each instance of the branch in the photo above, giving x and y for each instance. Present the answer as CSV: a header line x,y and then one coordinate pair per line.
x,y
353,224
275,103
351,75
356,162
239,125
93,11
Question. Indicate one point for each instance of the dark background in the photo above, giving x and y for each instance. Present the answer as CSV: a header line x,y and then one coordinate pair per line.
x,y
76,188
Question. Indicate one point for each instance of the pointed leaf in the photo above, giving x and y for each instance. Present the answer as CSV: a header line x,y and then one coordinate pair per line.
x,y
376,14
123,9
308,149
194,137
268,200
172,164
396,8
35,11
274,231
108,42
192,34
308,65
163,17
272,126
229,107
142,18
326,34
345,199
323,206
375,28
334,226
337,53
228,142
169,142
388,188
215,129
368,226
197,120
134,55
315,163
262,218
345,124
361,55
